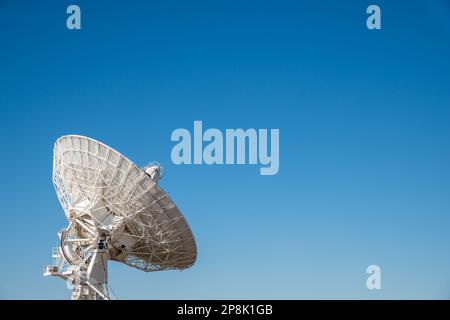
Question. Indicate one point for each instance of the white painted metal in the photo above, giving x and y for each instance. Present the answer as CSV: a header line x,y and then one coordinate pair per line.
x,y
116,211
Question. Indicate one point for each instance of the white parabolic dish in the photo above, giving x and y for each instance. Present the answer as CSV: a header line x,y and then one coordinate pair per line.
x,y
102,191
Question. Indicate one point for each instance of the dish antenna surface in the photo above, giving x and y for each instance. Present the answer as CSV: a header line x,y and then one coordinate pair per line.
x,y
116,211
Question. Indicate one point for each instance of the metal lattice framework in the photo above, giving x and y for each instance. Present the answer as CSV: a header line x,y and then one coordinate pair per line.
x,y
100,189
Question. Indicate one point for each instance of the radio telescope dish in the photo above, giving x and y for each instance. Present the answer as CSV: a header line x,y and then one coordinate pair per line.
x,y
116,211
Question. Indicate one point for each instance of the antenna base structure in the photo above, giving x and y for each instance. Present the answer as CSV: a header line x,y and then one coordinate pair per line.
x,y
86,275
116,211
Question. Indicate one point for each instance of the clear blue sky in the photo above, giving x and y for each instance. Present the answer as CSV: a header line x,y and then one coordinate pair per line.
x,y
364,119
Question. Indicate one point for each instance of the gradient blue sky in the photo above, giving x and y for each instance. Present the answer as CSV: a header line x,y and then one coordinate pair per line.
x,y
364,119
